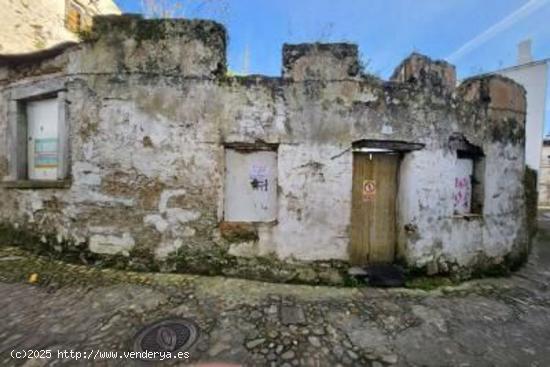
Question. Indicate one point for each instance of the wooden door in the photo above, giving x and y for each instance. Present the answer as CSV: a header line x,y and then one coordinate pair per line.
x,y
373,236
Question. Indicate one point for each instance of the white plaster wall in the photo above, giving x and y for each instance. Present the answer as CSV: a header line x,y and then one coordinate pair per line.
x,y
424,203
534,80
314,201
186,164
504,198
425,200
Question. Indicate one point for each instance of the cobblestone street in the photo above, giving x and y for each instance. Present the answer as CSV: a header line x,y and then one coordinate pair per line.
x,y
489,322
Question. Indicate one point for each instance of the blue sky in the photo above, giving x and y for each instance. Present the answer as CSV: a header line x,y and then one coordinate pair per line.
x,y
475,35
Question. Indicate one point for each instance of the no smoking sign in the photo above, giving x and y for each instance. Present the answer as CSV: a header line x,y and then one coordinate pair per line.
x,y
369,190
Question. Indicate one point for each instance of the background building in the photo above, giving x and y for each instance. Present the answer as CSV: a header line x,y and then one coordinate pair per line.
x,y
533,76
32,25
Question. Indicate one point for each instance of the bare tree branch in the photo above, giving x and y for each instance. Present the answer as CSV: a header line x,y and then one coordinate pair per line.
x,y
183,8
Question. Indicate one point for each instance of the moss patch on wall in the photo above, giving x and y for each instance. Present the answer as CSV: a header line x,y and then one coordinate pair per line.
x,y
134,26
217,261
238,231
42,244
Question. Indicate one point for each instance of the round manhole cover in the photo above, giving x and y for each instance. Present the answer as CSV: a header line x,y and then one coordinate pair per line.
x,y
170,335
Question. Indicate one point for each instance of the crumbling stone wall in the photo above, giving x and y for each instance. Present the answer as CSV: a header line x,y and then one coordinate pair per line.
x,y
151,112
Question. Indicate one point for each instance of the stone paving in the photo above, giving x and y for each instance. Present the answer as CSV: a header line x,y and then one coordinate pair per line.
x,y
488,322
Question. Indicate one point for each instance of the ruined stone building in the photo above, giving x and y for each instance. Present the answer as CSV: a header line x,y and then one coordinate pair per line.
x,y
32,25
136,149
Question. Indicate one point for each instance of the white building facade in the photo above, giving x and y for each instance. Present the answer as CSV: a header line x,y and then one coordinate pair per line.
x,y
533,75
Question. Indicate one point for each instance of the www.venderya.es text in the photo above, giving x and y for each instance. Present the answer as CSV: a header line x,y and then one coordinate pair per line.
x,y
95,354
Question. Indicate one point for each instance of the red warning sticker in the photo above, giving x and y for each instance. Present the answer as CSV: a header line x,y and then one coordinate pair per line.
x,y
369,190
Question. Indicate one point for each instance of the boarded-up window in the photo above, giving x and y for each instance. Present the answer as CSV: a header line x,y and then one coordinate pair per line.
x,y
463,186
43,139
250,185
38,142
468,190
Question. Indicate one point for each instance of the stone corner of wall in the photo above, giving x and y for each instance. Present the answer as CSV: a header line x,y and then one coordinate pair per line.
x,y
497,91
439,75
320,61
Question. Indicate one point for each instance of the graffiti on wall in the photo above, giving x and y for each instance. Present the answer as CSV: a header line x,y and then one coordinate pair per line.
x,y
259,177
250,186
462,194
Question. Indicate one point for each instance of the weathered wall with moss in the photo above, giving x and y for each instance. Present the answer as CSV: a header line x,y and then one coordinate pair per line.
x,y
151,108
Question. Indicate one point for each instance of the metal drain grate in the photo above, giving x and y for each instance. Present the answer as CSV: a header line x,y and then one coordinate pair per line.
x,y
170,335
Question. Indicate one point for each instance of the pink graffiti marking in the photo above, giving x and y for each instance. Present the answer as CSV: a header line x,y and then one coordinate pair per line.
x,y
462,195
